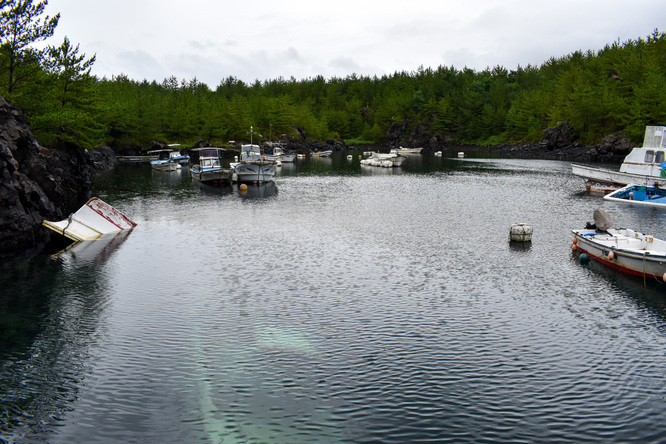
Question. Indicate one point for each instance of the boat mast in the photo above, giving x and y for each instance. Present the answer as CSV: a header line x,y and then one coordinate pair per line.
x,y
258,164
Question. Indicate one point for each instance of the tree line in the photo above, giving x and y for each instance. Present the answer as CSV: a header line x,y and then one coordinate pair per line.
x,y
621,87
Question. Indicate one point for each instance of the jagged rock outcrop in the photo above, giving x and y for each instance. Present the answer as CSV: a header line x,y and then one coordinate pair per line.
x,y
558,137
613,148
37,183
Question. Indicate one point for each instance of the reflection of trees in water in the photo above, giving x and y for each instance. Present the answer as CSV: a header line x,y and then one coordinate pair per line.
x,y
50,311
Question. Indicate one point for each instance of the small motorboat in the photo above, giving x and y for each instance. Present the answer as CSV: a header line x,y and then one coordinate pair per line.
x,y
252,168
386,160
165,165
406,151
653,196
168,159
209,170
624,249
279,155
93,220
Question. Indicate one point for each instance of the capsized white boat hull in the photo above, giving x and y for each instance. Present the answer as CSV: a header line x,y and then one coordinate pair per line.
x,y
93,220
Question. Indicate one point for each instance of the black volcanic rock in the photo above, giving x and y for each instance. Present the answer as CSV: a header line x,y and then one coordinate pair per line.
x,y
37,183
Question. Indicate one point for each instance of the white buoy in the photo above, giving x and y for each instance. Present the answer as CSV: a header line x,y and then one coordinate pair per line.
x,y
461,154
520,233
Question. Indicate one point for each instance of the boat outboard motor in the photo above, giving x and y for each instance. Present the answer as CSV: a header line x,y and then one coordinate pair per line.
x,y
602,219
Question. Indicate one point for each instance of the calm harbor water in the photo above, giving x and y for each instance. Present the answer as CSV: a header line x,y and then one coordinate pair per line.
x,y
340,304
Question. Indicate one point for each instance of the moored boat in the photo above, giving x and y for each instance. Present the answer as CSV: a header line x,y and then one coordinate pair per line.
x,y
642,166
209,170
623,249
279,155
165,165
93,220
404,151
165,160
325,153
386,160
176,156
252,168
652,196
123,158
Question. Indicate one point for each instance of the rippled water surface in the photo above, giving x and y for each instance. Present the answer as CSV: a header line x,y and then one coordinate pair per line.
x,y
341,304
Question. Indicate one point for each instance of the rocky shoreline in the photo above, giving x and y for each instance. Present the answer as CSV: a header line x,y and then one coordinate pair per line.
x,y
49,184
37,183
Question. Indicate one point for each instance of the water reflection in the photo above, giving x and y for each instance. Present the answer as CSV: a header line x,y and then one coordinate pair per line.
x,y
92,253
256,191
357,305
52,318
221,190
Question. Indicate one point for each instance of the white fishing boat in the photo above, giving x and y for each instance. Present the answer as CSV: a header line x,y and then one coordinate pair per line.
x,y
93,220
406,151
279,155
325,153
386,160
252,168
165,165
624,249
164,161
123,158
209,170
176,156
642,166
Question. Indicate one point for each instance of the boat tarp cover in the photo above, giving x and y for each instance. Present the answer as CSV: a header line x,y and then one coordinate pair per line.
x,y
602,219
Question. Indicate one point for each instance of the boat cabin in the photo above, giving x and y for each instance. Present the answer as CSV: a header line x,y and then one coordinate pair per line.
x,y
250,152
647,160
210,162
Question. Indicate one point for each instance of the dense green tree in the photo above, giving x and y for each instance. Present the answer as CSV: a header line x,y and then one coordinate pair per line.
x,y
22,25
620,87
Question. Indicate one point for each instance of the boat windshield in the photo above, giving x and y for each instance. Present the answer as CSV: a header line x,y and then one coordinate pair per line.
x,y
208,163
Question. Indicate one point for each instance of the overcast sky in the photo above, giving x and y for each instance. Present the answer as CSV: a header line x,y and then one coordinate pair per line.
x,y
266,39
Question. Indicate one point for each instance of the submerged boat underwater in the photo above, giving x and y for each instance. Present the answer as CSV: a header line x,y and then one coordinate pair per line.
x,y
623,249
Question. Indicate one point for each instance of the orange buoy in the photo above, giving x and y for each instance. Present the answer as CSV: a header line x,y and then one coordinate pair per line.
x,y
243,187
575,240
574,247
664,277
